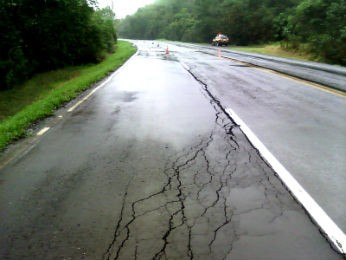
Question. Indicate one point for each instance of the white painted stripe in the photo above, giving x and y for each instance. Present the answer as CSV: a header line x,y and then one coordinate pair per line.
x,y
103,84
90,94
327,225
87,96
42,131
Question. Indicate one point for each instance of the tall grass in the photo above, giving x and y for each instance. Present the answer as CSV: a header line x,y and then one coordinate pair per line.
x,y
44,93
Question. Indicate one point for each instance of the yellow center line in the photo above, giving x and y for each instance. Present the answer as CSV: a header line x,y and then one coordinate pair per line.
x,y
323,88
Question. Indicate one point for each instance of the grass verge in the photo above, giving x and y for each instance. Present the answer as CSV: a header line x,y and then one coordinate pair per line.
x,y
276,49
40,96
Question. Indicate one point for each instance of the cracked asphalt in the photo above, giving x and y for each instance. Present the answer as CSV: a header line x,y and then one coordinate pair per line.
x,y
150,167
303,126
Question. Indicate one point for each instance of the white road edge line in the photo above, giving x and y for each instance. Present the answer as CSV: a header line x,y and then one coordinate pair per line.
x,y
326,224
104,83
87,96
42,131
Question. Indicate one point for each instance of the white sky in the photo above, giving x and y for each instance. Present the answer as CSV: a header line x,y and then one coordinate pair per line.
x,y
122,8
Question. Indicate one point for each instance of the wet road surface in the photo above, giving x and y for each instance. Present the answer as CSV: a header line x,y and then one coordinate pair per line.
x,y
329,75
150,167
304,127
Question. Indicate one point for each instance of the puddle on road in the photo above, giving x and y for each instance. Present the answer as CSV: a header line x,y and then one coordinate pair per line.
x,y
158,54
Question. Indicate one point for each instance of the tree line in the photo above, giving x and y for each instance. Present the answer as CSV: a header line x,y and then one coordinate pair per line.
x,y
317,26
41,35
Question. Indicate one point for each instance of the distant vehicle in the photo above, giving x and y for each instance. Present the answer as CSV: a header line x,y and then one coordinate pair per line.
x,y
220,40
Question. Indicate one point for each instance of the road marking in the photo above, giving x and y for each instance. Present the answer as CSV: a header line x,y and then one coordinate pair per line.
x,y
42,131
87,96
324,88
9,158
326,224
327,89
103,84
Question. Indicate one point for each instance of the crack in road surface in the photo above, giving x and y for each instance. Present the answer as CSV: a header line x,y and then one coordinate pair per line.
x,y
200,204
146,184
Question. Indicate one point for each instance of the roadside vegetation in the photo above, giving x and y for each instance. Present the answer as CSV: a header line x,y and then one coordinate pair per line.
x,y
39,36
276,49
50,51
38,97
316,27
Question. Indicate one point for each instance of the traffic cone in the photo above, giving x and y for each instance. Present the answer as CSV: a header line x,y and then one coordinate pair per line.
x,y
167,51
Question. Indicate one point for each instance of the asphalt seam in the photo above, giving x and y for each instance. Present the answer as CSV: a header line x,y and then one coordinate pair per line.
x,y
329,229
175,184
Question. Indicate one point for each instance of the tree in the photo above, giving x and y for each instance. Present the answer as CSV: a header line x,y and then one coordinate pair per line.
x,y
47,34
321,24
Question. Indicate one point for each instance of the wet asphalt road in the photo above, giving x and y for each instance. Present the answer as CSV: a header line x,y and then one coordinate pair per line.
x,y
150,167
329,75
301,125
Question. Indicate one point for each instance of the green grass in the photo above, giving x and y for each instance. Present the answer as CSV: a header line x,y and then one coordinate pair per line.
x,y
276,49
40,96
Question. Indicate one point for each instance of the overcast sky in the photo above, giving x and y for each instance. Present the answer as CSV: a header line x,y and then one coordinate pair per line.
x,y
124,7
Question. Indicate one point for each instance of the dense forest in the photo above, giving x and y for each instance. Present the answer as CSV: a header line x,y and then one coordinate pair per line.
x,y
316,26
41,35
